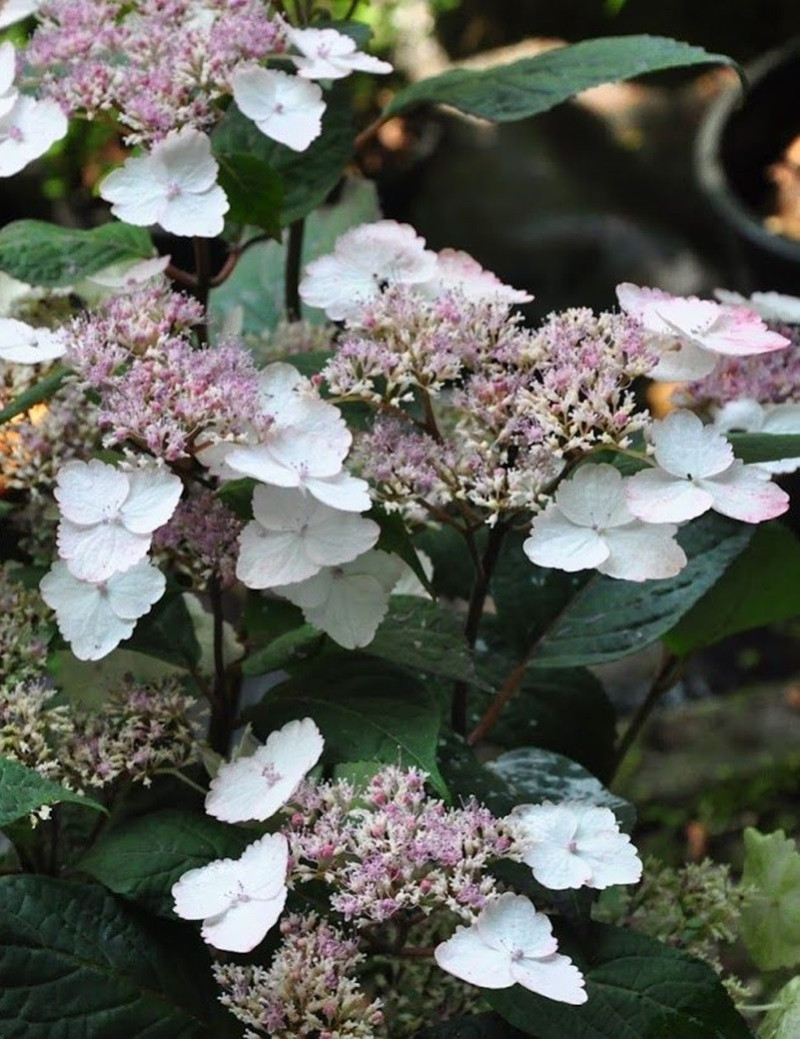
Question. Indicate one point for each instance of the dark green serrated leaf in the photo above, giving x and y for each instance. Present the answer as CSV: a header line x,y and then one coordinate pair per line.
x,y
424,637
365,708
74,962
167,633
533,85
533,775
284,650
44,254
764,447
254,190
608,618
41,391
760,587
23,790
142,859
637,987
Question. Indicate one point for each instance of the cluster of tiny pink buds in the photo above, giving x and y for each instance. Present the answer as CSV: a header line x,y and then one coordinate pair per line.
x,y
308,990
202,537
769,378
352,840
178,58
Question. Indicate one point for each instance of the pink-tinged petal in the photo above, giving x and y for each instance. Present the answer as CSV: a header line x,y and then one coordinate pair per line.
x,y
739,331
90,492
511,923
746,493
555,977
205,891
154,494
95,553
555,542
594,497
242,927
643,552
657,497
634,299
466,956
457,270
684,447
132,593
293,750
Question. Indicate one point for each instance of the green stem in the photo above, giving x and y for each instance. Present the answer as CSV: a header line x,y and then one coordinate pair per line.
x,y
294,259
202,273
666,677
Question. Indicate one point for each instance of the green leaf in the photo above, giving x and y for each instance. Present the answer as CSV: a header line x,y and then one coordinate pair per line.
x,y
365,708
394,538
44,254
286,649
23,790
784,1018
254,190
74,962
486,1026
608,618
532,775
533,85
764,447
142,859
41,391
636,987
760,587
770,925
167,633
266,619
424,637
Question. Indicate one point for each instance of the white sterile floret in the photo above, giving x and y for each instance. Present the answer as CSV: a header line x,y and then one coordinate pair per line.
x,y
696,472
26,345
94,617
175,185
748,415
364,261
350,601
771,306
12,11
458,271
254,788
328,54
510,942
305,445
8,68
572,844
285,108
238,900
108,515
692,333
27,130
590,525
293,536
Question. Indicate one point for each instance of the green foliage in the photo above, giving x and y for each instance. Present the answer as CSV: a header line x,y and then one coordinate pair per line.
x,y
167,633
771,920
44,254
533,85
285,650
760,587
254,190
143,858
764,447
23,791
636,987
365,708
487,1026
607,618
76,963
784,1018
41,391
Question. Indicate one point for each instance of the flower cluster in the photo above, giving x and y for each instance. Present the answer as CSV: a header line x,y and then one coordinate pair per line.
x,y
201,539
308,989
24,632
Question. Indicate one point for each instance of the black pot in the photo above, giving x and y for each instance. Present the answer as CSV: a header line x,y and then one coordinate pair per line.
x,y
740,137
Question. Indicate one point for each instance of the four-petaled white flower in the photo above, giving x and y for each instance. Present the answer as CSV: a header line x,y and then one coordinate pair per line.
x,y
696,472
108,515
27,130
255,787
238,900
574,844
691,333
94,617
460,272
285,108
510,942
293,536
328,54
748,415
175,185
24,344
364,261
350,601
591,525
